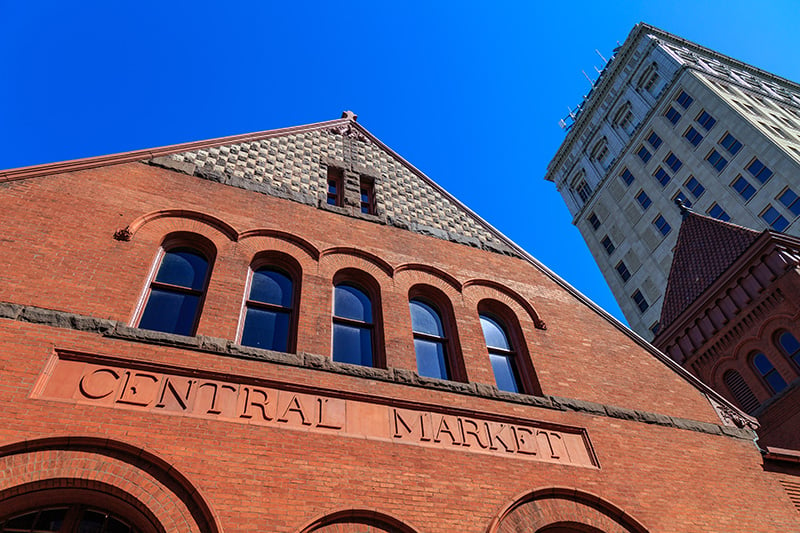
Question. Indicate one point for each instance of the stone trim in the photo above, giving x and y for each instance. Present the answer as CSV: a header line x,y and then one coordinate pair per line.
x,y
224,347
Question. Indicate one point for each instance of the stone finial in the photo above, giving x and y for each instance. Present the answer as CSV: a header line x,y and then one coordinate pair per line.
x,y
684,210
349,115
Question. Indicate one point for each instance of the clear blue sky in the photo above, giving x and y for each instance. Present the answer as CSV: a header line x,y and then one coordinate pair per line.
x,y
469,92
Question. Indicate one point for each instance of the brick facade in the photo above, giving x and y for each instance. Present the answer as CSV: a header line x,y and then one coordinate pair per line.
x,y
199,433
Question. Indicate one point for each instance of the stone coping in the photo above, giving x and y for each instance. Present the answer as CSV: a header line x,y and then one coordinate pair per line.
x,y
227,348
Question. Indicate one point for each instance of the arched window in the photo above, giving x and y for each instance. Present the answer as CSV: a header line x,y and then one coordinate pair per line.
x,y
175,295
353,325
66,519
790,346
740,391
501,354
430,340
768,372
269,318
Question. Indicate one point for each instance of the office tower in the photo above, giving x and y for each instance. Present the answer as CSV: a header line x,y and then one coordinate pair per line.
x,y
669,120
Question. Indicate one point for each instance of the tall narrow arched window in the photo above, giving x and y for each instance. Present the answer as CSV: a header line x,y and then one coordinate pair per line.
x,y
790,346
430,340
741,392
501,354
175,295
767,371
353,325
269,316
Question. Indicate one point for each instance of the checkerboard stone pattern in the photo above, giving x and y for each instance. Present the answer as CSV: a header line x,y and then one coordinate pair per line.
x,y
294,166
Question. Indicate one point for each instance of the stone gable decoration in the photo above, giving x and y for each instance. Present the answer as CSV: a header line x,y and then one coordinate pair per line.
x,y
294,165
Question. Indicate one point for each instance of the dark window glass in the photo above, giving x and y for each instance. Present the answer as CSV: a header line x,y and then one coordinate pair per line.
x,y
638,299
655,328
663,226
744,396
693,136
367,197
706,121
789,199
695,187
643,200
268,314
644,154
627,177
717,212
430,342
654,140
584,191
759,171
608,245
173,304
594,221
661,176
684,100
768,372
623,272
72,519
774,219
672,115
335,186
716,160
673,162
352,326
743,187
790,346
730,143
501,355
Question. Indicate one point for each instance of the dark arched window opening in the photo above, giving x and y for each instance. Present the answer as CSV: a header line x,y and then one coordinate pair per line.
x,y
430,340
790,346
353,325
501,354
269,316
66,519
741,392
767,371
175,295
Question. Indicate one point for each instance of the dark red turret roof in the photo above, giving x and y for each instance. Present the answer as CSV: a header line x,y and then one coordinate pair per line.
x,y
706,247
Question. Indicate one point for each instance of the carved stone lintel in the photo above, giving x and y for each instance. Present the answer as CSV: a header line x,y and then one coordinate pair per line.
x,y
123,234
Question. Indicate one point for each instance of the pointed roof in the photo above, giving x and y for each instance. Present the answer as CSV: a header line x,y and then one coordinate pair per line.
x,y
706,247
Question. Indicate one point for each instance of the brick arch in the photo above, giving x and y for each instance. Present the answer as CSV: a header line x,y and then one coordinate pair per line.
x,y
509,296
357,521
196,217
71,491
433,271
277,236
548,509
132,475
365,257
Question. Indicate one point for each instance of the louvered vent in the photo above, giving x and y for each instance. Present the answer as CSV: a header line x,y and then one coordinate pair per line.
x,y
793,490
744,396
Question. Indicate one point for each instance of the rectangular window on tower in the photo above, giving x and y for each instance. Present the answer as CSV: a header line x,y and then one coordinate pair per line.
x,y
367,187
638,299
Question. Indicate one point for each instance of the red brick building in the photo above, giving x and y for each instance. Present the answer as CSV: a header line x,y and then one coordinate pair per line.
x,y
731,317
298,331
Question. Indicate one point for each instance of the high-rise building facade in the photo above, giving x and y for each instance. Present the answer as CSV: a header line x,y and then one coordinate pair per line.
x,y
671,120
